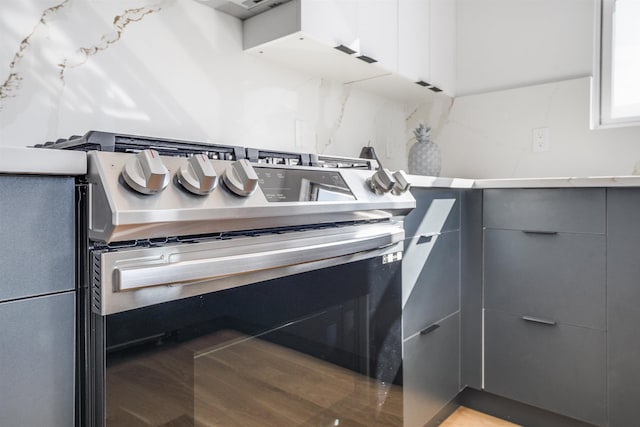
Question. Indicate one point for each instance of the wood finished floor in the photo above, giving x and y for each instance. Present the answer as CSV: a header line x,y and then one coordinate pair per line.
x,y
465,417
240,382
227,380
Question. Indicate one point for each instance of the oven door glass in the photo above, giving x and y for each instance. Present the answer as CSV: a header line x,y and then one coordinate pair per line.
x,y
321,348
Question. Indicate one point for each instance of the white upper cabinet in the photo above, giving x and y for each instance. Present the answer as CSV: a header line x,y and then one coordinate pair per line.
x,y
414,39
399,42
378,31
334,22
442,46
426,42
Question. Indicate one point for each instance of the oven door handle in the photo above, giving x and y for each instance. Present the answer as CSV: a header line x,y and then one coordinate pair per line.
x,y
129,278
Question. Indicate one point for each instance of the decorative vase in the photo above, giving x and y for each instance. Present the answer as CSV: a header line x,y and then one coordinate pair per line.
x,y
424,154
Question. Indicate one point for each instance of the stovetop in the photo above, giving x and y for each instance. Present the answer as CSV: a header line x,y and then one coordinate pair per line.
x,y
123,143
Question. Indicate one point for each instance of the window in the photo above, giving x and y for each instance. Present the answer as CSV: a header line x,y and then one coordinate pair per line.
x,y
616,94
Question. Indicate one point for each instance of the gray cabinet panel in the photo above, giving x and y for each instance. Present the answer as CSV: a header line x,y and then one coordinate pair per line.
x,y
37,361
37,233
623,306
559,368
559,276
430,280
471,289
558,209
436,211
431,372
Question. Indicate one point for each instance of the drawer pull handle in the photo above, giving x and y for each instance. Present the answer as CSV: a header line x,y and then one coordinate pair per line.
x,y
550,233
429,329
367,59
345,49
538,320
424,239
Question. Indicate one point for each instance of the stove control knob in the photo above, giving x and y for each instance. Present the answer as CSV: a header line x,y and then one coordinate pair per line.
x,y
402,183
381,182
145,173
240,178
197,175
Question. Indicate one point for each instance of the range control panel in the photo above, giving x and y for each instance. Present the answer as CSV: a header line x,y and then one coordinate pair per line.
x,y
136,194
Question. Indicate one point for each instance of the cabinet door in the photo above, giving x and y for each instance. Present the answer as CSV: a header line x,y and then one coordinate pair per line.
x,y
554,276
414,38
37,361
436,211
37,234
558,367
442,48
334,22
578,210
623,305
378,31
431,372
430,280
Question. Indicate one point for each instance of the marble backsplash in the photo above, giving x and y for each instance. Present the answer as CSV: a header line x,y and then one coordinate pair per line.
x,y
176,69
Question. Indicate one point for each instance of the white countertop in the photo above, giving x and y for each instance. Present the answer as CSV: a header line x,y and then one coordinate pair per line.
x,y
550,182
440,182
42,161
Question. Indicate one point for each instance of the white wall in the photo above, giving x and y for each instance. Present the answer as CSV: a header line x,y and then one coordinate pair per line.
x,y
490,135
175,68
504,44
172,68
517,63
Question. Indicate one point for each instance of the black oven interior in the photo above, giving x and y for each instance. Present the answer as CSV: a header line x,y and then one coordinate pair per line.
x,y
317,348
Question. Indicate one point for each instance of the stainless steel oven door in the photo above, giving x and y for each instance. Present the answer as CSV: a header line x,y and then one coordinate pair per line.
x,y
283,339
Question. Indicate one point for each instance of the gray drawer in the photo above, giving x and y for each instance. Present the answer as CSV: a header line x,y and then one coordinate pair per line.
x,y
559,368
559,209
37,361
559,277
430,280
431,372
437,210
37,234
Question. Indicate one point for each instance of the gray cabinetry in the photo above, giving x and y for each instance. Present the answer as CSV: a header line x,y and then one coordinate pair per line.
x,y
544,299
558,209
431,280
37,361
437,211
37,301
37,232
623,305
555,367
433,366
554,276
431,303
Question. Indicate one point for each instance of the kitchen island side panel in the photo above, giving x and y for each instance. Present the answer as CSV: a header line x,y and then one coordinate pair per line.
x,y
623,305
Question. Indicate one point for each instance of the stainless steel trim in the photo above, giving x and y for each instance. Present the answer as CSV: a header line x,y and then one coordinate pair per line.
x,y
119,214
254,260
139,277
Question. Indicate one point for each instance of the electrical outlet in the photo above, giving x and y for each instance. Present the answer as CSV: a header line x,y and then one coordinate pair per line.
x,y
540,140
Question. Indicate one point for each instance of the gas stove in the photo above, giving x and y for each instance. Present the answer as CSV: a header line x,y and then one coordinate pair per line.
x,y
145,188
